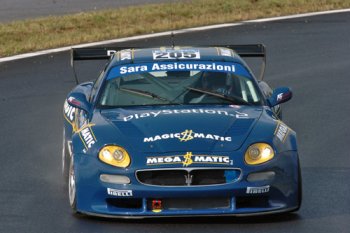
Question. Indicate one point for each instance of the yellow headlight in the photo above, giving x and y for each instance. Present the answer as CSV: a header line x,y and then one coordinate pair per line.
x,y
258,153
115,156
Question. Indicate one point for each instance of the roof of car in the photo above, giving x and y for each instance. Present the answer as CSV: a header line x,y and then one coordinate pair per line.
x,y
141,55
121,56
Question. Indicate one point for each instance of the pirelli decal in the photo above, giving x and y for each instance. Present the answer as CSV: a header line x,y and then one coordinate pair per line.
x,y
258,190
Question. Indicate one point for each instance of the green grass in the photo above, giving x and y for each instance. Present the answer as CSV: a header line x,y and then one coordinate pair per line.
x,y
55,31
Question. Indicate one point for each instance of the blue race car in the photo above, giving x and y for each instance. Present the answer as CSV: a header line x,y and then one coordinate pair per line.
x,y
178,131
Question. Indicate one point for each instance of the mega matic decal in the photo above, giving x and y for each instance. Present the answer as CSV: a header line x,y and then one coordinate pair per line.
x,y
69,112
281,131
188,159
177,66
151,114
85,132
87,136
188,135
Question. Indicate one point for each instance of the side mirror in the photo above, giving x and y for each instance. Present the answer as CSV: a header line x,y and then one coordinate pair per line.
x,y
78,100
279,96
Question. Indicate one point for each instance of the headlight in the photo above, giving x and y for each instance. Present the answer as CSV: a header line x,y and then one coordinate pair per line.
x,y
115,156
258,153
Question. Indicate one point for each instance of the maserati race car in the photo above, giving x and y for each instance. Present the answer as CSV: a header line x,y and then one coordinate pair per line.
x,y
178,131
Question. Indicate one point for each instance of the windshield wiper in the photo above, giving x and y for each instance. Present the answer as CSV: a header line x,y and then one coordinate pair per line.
x,y
233,99
146,94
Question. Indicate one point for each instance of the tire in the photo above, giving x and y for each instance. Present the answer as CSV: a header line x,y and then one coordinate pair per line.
x,y
72,189
65,159
300,189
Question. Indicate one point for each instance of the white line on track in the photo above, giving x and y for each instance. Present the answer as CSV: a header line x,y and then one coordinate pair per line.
x,y
107,42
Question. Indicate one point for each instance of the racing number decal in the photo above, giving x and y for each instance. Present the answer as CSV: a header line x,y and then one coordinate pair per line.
x,y
176,54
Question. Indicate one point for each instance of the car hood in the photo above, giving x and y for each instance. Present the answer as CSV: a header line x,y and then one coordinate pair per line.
x,y
182,128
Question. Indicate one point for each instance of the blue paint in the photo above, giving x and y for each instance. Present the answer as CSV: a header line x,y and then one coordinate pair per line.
x,y
172,131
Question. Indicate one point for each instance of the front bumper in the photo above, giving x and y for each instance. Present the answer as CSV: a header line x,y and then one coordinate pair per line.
x,y
136,200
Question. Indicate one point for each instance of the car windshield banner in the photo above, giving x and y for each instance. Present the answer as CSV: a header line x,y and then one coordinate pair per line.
x,y
178,66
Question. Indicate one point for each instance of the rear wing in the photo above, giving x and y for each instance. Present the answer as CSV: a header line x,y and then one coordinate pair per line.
x,y
79,54
251,50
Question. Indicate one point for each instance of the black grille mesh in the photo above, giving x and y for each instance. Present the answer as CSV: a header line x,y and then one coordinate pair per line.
x,y
183,177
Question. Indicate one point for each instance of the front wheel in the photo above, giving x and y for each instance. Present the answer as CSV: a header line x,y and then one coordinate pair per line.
x,y
65,158
300,189
72,188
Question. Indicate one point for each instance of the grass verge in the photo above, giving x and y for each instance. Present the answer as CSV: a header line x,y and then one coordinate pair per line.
x,y
55,31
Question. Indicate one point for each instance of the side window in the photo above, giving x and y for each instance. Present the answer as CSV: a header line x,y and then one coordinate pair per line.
x,y
265,88
96,86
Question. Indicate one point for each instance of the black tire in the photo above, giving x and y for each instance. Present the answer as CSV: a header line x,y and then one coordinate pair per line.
x,y
65,159
300,189
72,197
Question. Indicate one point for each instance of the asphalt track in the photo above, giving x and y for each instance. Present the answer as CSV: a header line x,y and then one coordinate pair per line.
x,y
24,9
311,55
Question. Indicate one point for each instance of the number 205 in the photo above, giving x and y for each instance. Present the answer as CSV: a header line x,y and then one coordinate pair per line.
x,y
176,54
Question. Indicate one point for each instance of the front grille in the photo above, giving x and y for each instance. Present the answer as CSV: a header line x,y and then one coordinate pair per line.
x,y
187,177
192,203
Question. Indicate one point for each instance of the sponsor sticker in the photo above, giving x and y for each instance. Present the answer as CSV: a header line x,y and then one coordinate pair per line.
x,y
177,66
281,131
188,135
69,112
188,65
258,190
155,114
157,206
188,159
119,193
85,132
87,136
225,52
125,55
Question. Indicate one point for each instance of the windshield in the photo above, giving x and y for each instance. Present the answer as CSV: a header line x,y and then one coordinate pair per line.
x,y
155,84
